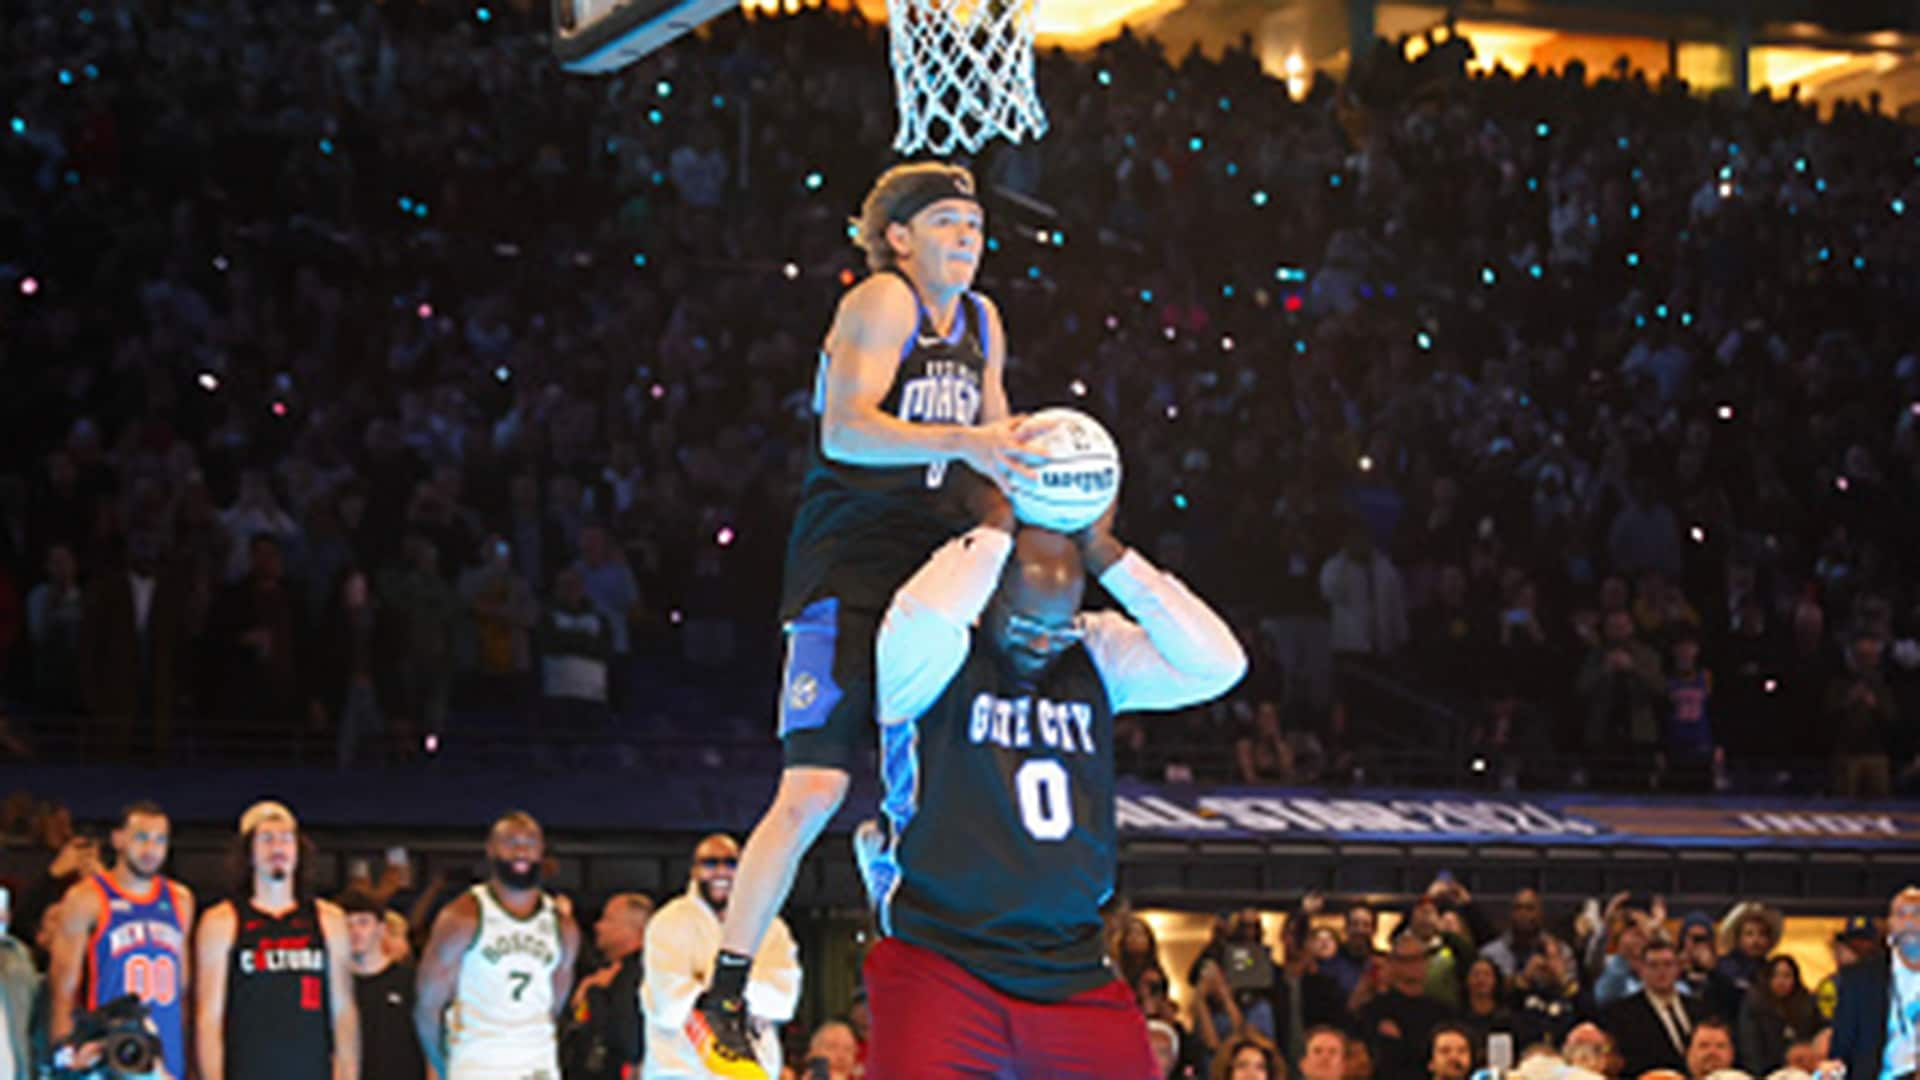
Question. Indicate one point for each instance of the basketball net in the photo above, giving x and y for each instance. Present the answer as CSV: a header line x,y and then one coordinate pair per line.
x,y
963,70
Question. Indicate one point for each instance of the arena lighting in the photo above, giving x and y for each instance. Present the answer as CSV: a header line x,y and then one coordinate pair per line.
x,y
1078,387
1067,23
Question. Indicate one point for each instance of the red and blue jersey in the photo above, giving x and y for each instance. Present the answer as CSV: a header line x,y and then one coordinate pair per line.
x,y
139,947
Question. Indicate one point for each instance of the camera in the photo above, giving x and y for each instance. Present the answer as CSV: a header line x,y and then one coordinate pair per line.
x,y
124,1038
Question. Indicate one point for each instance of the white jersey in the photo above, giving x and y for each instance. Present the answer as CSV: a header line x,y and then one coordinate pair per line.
x,y
500,1024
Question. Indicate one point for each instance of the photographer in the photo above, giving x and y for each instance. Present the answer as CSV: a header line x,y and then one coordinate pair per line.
x,y
117,1041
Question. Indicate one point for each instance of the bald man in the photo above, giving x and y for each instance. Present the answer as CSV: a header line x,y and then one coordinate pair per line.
x,y
495,973
1878,1013
682,938
996,700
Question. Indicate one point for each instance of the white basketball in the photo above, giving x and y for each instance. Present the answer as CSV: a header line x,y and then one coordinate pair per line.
x,y
1081,476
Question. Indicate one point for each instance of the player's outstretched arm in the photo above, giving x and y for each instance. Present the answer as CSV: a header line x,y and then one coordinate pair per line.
x,y
924,637
863,354
453,931
1174,651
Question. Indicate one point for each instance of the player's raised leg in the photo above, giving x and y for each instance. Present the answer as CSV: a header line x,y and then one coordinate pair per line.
x,y
908,387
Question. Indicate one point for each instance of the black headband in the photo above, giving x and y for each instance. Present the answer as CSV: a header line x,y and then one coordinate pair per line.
x,y
923,191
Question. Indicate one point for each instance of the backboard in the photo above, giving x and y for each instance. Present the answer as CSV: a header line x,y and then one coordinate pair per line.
x,y
592,37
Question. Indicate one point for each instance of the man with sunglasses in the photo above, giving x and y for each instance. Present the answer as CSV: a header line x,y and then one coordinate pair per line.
x,y
996,700
681,940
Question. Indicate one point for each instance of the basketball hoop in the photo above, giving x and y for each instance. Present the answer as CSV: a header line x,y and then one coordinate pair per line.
x,y
963,70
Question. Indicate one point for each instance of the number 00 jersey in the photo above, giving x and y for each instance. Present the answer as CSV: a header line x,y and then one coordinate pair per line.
x,y
861,530
1003,837
139,947
502,1011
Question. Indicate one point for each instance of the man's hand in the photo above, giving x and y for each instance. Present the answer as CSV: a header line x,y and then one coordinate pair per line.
x,y
1312,903
1003,451
78,857
1213,984
1098,547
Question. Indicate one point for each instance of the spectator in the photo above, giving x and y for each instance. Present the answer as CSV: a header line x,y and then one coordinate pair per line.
x,y
1777,1013
1165,1039
1298,623
609,582
1621,685
1748,935
1700,976
1644,535
1857,940
383,992
429,616
1134,949
1588,1048
1261,755
831,1054
259,625
1525,938
256,513
1689,737
1653,1027
1247,1057
602,1036
699,170
131,649
1357,952
1301,998
1547,996
575,645
1877,1011
1364,591
19,992
1150,992
1325,1058
496,635
355,670
55,612
1448,635
1861,712
1483,1012
1449,1053
1397,1023
1709,1049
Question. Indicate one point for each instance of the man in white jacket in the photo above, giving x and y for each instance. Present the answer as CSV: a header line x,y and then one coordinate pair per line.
x,y
682,939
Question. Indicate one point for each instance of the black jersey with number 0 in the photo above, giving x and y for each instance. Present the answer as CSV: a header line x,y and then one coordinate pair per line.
x,y
860,530
279,1021
1003,845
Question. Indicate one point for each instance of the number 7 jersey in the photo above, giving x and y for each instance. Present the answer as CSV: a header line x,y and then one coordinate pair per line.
x,y
1003,844
502,1016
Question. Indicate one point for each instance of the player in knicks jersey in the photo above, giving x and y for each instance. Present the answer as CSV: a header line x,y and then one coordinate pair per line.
x,y
908,391
273,970
497,969
996,704
125,932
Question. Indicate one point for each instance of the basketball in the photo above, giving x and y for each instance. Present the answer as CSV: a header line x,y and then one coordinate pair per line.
x,y
1081,476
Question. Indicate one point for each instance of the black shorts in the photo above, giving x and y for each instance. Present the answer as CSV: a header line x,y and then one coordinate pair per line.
x,y
826,686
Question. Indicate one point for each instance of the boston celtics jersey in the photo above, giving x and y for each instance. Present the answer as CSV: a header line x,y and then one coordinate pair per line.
x,y
1003,844
861,530
502,1015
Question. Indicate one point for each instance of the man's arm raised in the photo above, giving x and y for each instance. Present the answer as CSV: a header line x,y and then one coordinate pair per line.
x,y
863,355
453,932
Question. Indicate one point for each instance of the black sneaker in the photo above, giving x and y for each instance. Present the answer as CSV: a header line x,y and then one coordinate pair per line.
x,y
718,1029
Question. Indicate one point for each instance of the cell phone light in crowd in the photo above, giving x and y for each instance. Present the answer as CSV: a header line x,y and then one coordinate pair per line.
x,y
656,117
993,242
1366,463
405,202
1113,322
1488,275
1536,271
1841,483
85,16
640,260
431,743
1103,77
1914,408
1179,500
846,277
208,381
1771,685
1633,211
1479,764
1033,273
1622,142
1146,296
656,391
1423,339
1078,387
1698,534
1226,292
483,15
1639,322
676,617
1293,303
424,311
1726,189
1898,206
1820,185
815,181
1660,311
220,263
280,409
1859,262
420,210
1169,332
1825,254
1059,238
1226,104
326,147
1333,180
791,271
1542,129
724,537
1633,258
1195,144
29,286
1686,318
1726,172
663,88
1173,412
1724,412
502,374
1533,183
65,77
1226,342
19,125
1300,344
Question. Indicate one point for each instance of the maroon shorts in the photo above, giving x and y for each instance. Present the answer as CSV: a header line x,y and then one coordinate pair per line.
x,y
934,1021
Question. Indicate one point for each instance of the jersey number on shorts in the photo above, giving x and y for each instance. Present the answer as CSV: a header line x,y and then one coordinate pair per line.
x,y
154,980
1046,802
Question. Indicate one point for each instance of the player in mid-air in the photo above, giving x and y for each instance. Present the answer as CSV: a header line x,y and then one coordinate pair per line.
x,y
996,697
909,387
